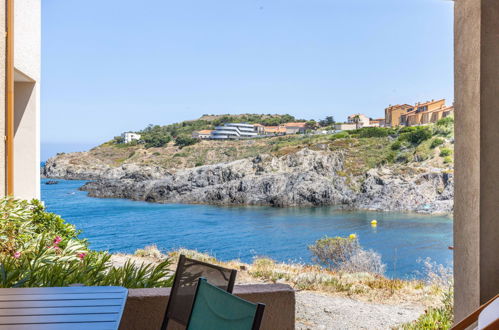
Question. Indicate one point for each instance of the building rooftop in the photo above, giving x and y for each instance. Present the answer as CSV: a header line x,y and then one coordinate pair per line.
x,y
275,129
301,124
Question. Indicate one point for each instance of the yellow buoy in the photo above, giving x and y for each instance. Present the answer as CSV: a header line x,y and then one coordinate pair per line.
x,y
374,223
352,236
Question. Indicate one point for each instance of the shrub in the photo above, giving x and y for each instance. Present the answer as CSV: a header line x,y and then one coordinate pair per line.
x,y
436,142
447,121
22,220
435,317
118,140
396,145
155,136
346,254
184,141
415,136
448,160
368,132
444,152
40,249
44,262
340,135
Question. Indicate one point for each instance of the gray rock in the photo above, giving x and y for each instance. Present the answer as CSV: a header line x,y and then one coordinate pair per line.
x,y
305,178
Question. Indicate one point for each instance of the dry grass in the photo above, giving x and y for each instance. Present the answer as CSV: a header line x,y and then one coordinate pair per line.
x,y
361,286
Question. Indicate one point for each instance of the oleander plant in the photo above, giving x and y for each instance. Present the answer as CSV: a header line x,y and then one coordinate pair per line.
x,y
38,248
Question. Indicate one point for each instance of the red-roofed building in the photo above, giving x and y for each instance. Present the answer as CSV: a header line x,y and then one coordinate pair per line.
x,y
295,128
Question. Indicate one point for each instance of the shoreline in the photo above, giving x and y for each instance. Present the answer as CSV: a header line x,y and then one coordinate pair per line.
x,y
338,208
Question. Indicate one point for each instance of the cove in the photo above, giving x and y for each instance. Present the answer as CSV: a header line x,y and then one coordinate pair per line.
x,y
283,234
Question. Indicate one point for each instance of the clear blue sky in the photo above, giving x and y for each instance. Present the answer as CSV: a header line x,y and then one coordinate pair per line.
x,y
114,65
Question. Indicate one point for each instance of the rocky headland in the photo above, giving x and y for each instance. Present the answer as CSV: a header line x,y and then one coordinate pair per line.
x,y
303,178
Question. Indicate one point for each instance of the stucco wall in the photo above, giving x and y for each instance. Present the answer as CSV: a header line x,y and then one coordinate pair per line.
x,y
145,308
27,49
27,37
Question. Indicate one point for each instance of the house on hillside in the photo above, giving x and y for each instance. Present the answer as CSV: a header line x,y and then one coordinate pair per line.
x,y
274,130
295,128
359,119
344,126
202,134
377,122
130,136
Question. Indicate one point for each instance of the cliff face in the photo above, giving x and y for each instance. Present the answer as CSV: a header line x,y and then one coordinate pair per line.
x,y
304,178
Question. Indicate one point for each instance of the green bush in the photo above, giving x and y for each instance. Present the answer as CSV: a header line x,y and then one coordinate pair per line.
x,y
44,262
22,220
184,141
448,160
435,317
340,135
436,142
447,121
444,152
40,249
396,145
368,132
416,135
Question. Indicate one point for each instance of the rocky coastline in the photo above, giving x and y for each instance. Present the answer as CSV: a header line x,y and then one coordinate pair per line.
x,y
306,178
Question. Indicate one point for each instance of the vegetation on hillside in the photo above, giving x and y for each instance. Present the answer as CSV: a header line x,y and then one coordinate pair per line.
x,y
364,148
154,136
39,248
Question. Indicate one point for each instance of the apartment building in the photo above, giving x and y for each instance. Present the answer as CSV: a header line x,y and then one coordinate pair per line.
x,y
234,131
426,113
20,78
394,112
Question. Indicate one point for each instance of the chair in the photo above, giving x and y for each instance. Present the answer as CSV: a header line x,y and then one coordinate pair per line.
x,y
184,287
487,316
216,309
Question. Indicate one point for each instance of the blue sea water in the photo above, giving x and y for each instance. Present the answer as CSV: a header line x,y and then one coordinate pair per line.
x,y
119,225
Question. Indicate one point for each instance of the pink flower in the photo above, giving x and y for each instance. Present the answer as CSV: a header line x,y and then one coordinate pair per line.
x,y
17,255
57,240
81,255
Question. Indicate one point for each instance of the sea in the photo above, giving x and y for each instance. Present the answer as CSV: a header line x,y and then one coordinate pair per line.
x,y
404,240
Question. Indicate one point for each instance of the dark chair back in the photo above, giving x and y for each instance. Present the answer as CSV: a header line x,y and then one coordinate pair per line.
x,y
216,309
185,283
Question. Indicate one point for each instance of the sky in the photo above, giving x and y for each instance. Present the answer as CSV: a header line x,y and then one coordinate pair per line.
x,y
118,65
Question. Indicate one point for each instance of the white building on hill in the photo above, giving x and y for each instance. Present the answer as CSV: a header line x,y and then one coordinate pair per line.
x,y
130,136
234,131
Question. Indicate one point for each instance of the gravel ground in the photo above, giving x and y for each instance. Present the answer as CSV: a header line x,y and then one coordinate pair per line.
x,y
320,311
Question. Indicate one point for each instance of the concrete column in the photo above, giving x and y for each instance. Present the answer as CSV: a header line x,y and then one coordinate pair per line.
x,y
476,200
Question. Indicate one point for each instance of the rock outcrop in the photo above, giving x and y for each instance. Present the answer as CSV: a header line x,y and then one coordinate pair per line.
x,y
304,178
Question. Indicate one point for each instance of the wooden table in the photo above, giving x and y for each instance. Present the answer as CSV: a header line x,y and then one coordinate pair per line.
x,y
71,308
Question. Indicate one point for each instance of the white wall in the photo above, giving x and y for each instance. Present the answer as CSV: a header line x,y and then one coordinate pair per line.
x,y
27,49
